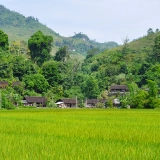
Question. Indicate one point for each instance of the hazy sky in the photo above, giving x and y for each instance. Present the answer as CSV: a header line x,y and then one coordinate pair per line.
x,y
103,20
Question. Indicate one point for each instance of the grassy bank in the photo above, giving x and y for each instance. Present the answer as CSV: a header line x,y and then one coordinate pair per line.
x,y
80,134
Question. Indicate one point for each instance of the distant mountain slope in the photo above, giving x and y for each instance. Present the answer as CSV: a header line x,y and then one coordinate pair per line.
x,y
19,27
114,60
23,27
141,45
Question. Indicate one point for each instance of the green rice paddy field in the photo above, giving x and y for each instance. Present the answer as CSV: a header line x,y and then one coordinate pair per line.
x,y
79,134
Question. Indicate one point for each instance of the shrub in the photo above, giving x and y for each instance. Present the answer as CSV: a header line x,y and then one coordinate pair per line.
x,y
99,105
152,103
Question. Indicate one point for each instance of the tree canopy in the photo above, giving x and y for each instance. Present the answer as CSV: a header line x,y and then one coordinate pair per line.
x,y
62,54
36,82
50,72
40,47
4,44
156,50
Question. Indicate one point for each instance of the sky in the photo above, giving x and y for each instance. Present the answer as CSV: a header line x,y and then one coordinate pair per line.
x,y
100,20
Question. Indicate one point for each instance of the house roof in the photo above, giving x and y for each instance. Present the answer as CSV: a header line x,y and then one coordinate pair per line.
x,y
3,82
67,100
94,101
119,87
35,99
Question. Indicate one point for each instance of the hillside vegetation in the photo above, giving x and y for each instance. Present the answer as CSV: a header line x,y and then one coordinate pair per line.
x,y
143,44
124,60
20,28
64,74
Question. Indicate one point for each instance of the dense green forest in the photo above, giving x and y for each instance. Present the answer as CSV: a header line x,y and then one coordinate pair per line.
x,y
64,74
20,28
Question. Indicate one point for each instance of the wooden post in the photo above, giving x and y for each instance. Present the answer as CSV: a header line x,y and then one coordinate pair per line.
x,y
76,101
86,102
0,99
52,102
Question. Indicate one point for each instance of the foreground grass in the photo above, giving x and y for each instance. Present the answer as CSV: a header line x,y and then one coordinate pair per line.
x,y
80,134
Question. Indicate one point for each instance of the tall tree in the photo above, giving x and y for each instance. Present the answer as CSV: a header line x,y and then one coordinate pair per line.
x,y
50,72
40,47
157,30
150,31
92,52
90,87
125,46
36,82
156,49
4,45
153,73
153,100
21,66
153,88
62,54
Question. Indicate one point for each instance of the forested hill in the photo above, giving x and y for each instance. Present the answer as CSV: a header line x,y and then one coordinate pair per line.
x,y
142,44
135,64
136,61
19,27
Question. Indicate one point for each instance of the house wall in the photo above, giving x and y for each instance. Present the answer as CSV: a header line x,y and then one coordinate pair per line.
x,y
91,105
70,105
3,85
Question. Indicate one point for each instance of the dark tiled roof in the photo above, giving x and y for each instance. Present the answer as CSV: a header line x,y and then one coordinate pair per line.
x,y
102,100
123,87
3,82
35,99
68,100
94,101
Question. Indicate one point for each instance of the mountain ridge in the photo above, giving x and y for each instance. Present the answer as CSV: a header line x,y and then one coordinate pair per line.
x,y
19,27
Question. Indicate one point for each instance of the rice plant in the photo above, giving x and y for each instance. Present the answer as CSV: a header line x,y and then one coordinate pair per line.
x,y
79,134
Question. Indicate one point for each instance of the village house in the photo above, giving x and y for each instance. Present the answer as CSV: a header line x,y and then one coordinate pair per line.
x,y
34,101
91,103
118,89
67,103
3,84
